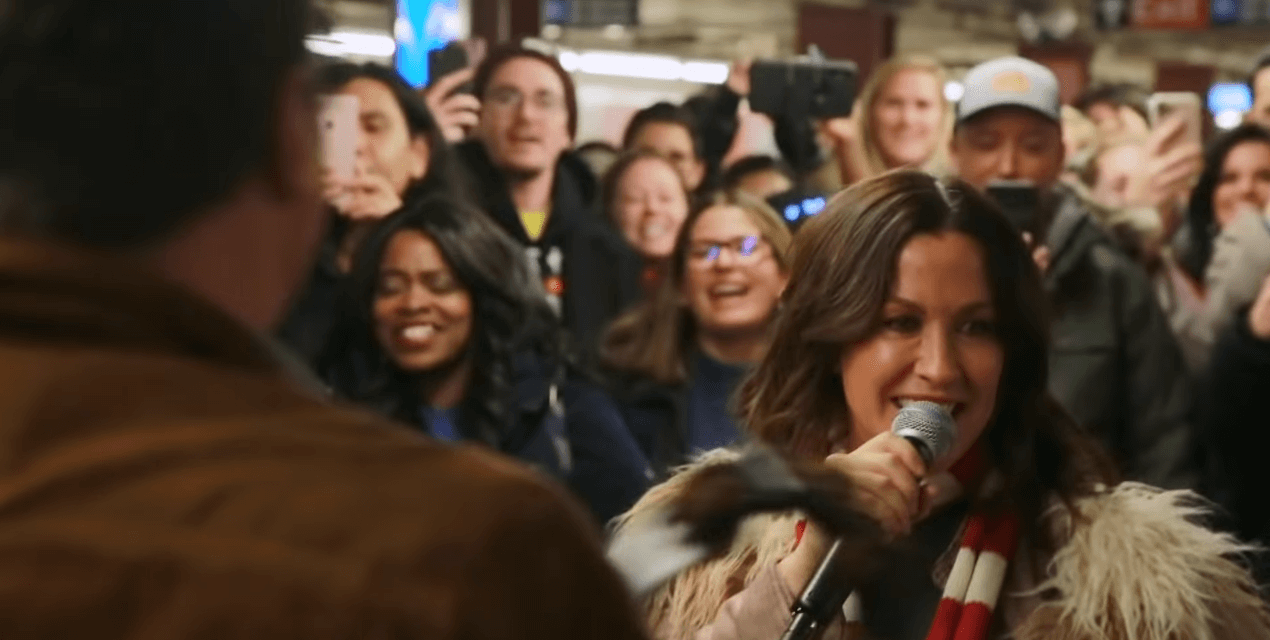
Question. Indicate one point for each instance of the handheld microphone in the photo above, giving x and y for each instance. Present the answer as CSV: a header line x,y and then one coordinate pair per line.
x,y
931,430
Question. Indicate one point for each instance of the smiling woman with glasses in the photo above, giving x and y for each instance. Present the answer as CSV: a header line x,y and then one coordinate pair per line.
x,y
675,360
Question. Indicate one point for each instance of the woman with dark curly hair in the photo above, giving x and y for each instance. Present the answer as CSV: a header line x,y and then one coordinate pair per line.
x,y
401,155
910,289
441,326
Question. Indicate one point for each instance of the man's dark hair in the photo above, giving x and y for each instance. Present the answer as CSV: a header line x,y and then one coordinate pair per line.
x,y
1262,61
756,164
1118,94
664,113
503,55
123,120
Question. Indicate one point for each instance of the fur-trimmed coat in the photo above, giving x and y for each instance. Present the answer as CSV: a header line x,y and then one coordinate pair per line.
x,y
1134,566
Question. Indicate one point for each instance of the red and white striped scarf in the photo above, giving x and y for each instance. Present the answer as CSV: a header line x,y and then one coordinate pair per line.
x,y
973,586
979,571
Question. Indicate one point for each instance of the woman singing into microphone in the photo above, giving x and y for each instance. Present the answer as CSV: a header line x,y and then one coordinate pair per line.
x,y
908,289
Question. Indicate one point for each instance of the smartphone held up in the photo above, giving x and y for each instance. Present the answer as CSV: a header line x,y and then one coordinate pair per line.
x,y
1178,105
338,133
455,56
816,88
1020,201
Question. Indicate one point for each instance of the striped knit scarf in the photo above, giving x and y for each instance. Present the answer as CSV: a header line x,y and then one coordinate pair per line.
x,y
978,573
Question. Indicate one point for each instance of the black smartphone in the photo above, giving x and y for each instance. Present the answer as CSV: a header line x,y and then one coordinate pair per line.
x,y
1020,200
448,59
823,89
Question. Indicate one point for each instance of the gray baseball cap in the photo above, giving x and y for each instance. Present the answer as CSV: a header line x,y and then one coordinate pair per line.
x,y
1010,82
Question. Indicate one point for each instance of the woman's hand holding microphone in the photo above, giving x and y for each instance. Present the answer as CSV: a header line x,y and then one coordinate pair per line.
x,y
886,475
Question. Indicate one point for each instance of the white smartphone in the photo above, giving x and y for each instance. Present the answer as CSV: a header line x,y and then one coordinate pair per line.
x,y
339,130
1178,104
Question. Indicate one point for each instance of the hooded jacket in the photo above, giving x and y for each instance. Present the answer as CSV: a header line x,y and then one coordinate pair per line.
x,y
1114,362
589,273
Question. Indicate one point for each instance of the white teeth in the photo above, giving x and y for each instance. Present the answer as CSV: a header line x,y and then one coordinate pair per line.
x,y
727,290
418,332
948,406
654,230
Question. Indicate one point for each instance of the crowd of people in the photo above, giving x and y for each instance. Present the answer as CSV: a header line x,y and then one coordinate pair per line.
x,y
665,272
199,409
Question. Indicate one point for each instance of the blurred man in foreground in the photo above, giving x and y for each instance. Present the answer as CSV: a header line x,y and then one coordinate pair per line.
x,y
161,474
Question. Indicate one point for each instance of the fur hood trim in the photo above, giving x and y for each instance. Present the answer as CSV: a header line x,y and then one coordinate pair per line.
x,y
693,599
1138,564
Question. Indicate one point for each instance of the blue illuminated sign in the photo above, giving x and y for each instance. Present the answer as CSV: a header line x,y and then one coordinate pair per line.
x,y
793,212
1227,11
1229,96
423,25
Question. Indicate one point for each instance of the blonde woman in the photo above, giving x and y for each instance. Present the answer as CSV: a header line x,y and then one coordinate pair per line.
x,y
902,119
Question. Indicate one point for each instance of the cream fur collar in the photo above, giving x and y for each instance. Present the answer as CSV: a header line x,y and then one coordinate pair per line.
x,y
1135,565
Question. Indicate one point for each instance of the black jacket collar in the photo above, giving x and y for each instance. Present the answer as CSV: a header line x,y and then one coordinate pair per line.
x,y
572,196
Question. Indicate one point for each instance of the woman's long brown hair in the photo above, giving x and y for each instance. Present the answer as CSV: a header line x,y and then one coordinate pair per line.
x,y
842,274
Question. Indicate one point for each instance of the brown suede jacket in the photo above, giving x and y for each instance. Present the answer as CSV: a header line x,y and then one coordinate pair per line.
x,y
162,477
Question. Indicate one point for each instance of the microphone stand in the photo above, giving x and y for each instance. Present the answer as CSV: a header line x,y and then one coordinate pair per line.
x,y
821,600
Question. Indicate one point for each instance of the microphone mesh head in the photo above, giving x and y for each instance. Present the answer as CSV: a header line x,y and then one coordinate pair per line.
x,y
930,425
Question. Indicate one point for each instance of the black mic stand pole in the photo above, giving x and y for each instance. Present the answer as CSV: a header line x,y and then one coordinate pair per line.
x,y
821,600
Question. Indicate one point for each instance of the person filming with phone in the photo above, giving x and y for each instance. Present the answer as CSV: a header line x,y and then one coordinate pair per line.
x,y
381,146
1115,364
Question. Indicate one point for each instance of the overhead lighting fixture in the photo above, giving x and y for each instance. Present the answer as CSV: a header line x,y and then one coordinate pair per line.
x,y
953,91
1227,120
644,66
346,43
705,72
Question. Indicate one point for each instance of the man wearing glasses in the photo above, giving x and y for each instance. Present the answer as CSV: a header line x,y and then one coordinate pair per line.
x,y
541,194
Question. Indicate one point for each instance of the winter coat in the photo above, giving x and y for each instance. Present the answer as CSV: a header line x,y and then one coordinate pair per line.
x,y
659,416
163,476
570,429
1114,362
1234,421
558,421
307,326
1132,565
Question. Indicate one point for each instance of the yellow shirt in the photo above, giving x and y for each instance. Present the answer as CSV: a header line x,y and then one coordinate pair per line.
x,y
534,222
